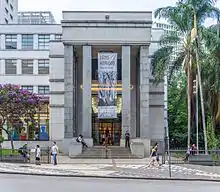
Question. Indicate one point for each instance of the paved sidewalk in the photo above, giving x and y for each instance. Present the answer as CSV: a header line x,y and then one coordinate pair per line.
x,y
111,170
67,160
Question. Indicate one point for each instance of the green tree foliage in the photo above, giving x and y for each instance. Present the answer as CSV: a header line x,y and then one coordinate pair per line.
x,y
177,110
182,16
16,107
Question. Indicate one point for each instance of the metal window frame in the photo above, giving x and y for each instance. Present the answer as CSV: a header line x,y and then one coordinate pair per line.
x,y
27,41
30,88
43,89
28,62
43,66
12,62
58,36
11,41
43,41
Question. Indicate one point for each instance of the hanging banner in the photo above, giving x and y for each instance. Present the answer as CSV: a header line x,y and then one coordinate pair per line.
x,y
107,79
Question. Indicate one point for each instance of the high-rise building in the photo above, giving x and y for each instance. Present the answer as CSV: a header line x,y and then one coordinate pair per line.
x,y
39,17
8,11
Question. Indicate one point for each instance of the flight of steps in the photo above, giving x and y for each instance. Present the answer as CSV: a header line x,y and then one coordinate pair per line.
x,y
99,152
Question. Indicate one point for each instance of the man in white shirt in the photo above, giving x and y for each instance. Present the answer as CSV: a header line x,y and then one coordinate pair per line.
x,y
54,151
37,151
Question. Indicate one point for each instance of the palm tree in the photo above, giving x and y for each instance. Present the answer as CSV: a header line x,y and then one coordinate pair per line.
x,y
181,16
211,72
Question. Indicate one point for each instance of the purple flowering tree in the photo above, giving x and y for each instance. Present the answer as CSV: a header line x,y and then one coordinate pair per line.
x,y
16,106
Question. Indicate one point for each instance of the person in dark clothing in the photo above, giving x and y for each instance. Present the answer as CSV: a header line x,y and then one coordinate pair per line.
x,y
107,135
154,156
127,139
193,149
81,140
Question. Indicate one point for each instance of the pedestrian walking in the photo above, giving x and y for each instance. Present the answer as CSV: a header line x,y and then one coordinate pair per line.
x,y
37,154
154,156
54,152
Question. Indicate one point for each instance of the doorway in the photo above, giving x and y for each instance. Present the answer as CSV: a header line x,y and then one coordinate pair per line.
x,y
101,127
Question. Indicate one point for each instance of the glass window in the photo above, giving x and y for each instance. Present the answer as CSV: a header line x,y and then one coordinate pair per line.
x,y
38,131
6,1
10,67
6,10
6,21
43,89
27,66
11,17
11,7
30,88
27,41
11,41
43,66
58,36
41,132
43,41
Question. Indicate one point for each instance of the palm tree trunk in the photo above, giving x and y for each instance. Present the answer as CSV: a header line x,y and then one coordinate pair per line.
x,y
189,106
201,99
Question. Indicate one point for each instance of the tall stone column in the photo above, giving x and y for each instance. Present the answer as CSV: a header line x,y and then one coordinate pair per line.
x,y
68,95
145,133
126,94
86,99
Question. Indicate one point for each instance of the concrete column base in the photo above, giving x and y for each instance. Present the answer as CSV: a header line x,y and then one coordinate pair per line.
x,y
137,148
66,145
122,142
144,144
147,147
89,141
75,148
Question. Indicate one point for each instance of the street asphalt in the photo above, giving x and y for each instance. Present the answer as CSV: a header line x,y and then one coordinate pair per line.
x,y
17,183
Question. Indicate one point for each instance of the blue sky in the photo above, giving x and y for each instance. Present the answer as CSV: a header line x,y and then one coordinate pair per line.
x,y
56,6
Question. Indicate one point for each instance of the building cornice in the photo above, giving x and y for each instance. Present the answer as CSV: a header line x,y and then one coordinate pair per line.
x,y
56,80
103,24
56,56
104,42
133,12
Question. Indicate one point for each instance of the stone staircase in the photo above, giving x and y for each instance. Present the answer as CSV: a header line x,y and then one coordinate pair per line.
x,y
99,152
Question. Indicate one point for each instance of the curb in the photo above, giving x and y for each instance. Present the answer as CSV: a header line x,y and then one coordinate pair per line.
x,y
109,177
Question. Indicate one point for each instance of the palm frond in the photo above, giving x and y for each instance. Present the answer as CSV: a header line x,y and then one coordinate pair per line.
x,y
180,16
212,40
160,62
171,38
176,64
164,12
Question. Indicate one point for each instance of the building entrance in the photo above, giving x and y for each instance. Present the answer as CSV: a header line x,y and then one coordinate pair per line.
x,y
102,127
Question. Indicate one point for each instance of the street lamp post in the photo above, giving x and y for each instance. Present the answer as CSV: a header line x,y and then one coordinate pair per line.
x,y
167,140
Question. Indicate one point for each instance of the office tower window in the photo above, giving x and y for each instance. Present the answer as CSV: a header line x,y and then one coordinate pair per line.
x,y
58,36
10,67
43,66
27,66
43,89
43,41
11,41
6,11
12,8
27,41
29,88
